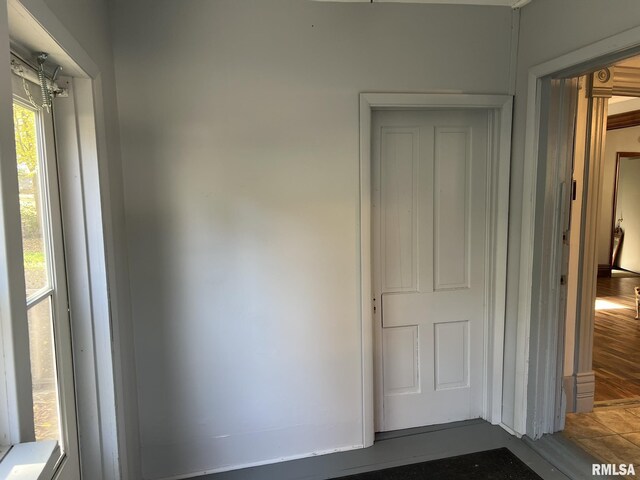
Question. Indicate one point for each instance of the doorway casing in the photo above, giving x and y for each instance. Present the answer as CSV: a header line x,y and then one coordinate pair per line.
x,y
499,155
535,403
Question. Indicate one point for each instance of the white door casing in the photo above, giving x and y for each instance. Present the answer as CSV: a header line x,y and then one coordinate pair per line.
x,y
429,189
499,108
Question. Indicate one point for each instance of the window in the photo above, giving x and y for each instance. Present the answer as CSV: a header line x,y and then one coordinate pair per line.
x,y
40,277
53,406
77,166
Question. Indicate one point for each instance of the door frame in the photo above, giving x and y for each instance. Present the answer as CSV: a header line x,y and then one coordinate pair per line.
x,y
535,386
500,108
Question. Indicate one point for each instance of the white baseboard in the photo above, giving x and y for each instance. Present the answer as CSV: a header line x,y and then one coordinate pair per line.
x,y
585,391
179,460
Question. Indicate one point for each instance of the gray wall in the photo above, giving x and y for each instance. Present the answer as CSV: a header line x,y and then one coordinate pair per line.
x,y
87,21
548,29
239,126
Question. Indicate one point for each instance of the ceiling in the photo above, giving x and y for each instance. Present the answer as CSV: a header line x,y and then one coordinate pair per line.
x,y
33,38
623,104
499,3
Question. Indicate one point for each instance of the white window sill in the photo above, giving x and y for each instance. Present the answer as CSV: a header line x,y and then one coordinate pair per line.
x,y
30,461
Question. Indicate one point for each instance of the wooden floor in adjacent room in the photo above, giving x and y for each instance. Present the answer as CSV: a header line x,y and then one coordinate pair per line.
x,y
616,339
611,432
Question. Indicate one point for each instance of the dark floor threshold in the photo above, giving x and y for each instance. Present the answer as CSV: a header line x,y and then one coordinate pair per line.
x,y
408,432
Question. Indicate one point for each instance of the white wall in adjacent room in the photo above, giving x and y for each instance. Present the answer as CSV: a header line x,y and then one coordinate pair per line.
x,y
628,200
621,140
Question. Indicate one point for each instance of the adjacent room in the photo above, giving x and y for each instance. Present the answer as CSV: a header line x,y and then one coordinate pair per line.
x,y
605,421
616,335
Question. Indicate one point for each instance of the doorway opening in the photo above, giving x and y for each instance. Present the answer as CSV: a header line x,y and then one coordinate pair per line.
x,y
601,367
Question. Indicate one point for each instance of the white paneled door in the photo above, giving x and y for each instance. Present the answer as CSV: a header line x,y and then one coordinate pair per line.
x,y
429,175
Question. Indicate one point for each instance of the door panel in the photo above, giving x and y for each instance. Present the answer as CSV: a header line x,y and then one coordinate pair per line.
x,y
401,369
451,209
429,178
400,197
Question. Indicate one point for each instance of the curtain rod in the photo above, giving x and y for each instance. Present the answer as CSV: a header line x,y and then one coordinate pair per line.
x,y
24,69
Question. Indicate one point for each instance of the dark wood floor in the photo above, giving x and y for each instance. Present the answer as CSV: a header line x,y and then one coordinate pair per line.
x,y
616,341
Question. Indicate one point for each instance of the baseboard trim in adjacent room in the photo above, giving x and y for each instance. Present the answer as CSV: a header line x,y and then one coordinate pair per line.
x,y
569,385
585,391
604,270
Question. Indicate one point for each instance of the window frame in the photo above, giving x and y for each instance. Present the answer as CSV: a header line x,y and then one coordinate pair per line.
x,y
17,421
106,411
56,290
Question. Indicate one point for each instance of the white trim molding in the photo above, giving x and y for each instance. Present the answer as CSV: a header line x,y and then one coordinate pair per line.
x,y
16,411
500,110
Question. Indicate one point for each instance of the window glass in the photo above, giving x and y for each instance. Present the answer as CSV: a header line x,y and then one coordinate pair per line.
x,y
43,372
39,294
31,205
